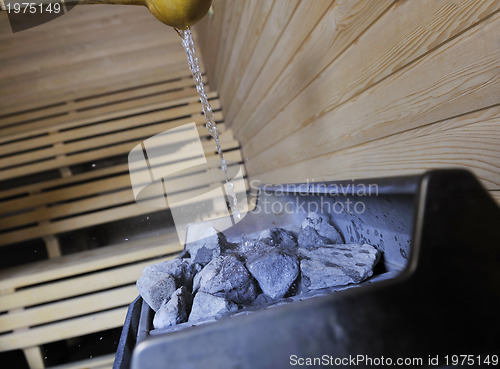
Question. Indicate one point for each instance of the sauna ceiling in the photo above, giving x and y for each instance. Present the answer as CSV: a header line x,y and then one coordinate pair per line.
x,y
90,50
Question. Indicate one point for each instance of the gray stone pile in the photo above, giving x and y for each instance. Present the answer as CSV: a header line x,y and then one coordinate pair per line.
x,y
214,277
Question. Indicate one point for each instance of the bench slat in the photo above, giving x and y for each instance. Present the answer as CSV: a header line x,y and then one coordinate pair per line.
x,y
75,286
81,128
137,94
101,217
89,261
64,330
135,130
100,362
102,185
100,115
94,174
117,197
69,308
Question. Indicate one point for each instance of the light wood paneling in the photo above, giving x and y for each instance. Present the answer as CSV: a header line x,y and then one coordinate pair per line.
x,y
285,74
454,86
101,362
469,141
76,95
371,89
399,37
89,44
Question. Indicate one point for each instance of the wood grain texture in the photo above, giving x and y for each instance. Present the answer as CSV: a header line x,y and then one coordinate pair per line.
x,y
69,308
82,48
208,35
276,22
100,362
469,141
406,65
75,286
461,76
90,261
339,27
63,330
115,191
400,36
292,38
141,95
106,113
255,16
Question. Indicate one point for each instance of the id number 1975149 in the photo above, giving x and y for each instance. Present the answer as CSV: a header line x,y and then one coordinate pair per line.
x,y
32,8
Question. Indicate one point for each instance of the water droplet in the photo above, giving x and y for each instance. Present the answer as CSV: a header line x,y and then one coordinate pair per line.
x,y
194,67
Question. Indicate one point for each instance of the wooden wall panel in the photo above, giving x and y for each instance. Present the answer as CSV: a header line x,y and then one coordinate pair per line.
x,y
342,24
469,140
368,89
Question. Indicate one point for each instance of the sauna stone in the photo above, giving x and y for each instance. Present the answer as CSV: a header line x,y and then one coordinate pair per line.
x,y
316,229
206,306
175,310
183,270
226,276
268,239
337,265
275,271
156,287
278,237
214,277
211,245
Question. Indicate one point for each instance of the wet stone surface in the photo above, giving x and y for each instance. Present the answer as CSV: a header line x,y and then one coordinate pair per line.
x,y
337,265
275,271
227,276
211,244
214,278
316,229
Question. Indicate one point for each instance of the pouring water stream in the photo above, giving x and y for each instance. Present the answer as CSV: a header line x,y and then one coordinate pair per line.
x,y
194,67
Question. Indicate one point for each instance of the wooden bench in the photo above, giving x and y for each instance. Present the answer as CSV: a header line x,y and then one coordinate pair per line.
x,y
64,172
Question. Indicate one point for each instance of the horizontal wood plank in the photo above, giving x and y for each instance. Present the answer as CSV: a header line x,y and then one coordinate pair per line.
x,y
102,201
90,261
104,85
94,282
118,98
63,330
100,362
69,308
125,211
273,28
99,185
462,76
105,113
469,141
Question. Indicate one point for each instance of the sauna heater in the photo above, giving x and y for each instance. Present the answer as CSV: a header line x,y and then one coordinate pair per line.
x,y
436,292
